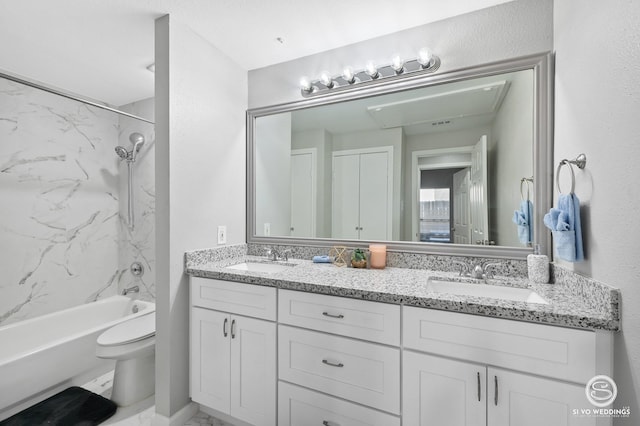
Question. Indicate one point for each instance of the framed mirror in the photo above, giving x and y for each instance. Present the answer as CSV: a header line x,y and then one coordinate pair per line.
x,y
439,163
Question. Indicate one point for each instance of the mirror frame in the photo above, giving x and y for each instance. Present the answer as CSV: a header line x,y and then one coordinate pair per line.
x,y
542,66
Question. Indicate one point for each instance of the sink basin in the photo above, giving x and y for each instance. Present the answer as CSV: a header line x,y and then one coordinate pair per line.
x,y
264,267
484,290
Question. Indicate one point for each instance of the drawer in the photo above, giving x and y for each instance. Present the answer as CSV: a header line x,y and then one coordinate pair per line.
x,y
243,299
558,352
374,321
366,373
299,406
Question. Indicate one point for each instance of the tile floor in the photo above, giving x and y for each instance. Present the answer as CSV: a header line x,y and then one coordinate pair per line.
x,y
140,414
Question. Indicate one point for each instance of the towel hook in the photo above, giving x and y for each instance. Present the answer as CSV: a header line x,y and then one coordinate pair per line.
x,y
580,161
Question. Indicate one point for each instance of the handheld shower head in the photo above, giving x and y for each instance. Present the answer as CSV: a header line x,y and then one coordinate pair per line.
x,y
122,152
137,140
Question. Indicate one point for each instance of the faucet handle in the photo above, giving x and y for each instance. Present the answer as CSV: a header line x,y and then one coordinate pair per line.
x,y
489,268
464,268
285,254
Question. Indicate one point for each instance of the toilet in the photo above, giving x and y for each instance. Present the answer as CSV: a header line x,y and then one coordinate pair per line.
x,y
132,345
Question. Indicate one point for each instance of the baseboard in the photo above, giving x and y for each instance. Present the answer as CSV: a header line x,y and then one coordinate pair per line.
x,y
179,418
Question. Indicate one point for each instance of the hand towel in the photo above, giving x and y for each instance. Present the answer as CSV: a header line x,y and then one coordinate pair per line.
x,y
564,222
523,219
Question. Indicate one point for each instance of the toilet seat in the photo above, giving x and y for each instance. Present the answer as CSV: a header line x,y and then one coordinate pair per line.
x,y
129,331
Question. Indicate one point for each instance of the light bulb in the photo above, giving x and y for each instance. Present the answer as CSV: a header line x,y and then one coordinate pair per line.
x,y
326,79
348,75
305,85
397,64
371,70
424,58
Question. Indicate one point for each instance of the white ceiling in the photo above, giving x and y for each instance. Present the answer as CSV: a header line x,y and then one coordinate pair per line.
x,y
100,48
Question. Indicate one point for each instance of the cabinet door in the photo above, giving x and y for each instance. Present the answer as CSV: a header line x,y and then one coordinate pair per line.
x,y
440,391
253,370
210,357
517,399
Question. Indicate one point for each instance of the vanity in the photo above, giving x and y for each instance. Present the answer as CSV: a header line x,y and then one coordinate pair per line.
x,y
298,343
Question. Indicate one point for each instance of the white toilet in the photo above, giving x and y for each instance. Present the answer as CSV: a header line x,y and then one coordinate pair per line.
x,y
132,344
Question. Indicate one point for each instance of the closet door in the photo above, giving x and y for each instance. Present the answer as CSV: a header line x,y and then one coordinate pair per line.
x,y
375,196
303,194
345,197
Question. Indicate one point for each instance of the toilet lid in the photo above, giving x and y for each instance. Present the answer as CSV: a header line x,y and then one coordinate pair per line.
x,y
129,331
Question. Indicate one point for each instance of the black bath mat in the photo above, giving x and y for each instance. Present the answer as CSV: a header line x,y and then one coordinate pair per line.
x,y
72,407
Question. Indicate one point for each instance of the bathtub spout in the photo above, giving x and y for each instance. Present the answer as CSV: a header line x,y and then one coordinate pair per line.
x,y
134,289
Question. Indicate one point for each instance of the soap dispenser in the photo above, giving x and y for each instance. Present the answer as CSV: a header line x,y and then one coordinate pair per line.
x,y
538,266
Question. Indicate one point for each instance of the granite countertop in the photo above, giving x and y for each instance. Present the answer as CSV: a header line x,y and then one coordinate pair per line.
x,y
409,287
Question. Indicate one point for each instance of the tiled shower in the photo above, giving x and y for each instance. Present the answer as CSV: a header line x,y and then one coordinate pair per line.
x,y
64,233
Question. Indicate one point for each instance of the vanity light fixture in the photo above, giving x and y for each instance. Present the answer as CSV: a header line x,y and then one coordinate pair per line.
x,y
424,63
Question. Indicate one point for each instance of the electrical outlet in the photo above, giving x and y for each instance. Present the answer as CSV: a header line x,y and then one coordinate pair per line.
x,y
267,229
222,234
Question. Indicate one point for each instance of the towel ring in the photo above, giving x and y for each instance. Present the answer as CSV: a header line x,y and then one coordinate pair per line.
x,y
573,176
580,161
529,182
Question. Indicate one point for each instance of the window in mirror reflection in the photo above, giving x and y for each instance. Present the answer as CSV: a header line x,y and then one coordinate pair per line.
x,y
435,214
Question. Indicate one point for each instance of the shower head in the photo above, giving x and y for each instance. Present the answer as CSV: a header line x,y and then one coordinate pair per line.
x,y
122,152
137,140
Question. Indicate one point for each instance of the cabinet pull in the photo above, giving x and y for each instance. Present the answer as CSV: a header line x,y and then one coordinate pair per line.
x,y
333,364
479,392
224,327
328,423
327,314
233,329
495,396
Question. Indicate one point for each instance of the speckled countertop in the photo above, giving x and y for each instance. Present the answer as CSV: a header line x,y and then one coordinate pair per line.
x,y
409,287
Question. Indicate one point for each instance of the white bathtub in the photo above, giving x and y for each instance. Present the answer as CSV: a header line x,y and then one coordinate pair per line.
x,y
43,353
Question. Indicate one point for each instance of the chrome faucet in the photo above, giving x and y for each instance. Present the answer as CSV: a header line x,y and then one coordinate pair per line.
x,y
274,255
134,289
479,271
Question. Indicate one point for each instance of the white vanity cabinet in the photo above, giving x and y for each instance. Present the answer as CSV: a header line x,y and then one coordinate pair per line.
x,y
338,357
233,356
480,386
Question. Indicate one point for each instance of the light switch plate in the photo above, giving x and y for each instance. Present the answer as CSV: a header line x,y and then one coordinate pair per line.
x,y
222,234
267,229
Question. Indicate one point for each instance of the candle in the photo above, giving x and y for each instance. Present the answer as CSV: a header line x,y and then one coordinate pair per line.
x,y
378,255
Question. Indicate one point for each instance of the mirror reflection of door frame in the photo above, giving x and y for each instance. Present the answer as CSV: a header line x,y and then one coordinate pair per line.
x,y
416,169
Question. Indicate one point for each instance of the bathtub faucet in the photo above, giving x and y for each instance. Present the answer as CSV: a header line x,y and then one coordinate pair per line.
x,y
134,289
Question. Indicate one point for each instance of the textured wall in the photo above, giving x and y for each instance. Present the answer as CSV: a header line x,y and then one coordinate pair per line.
x,y
201,99
505,31
596,113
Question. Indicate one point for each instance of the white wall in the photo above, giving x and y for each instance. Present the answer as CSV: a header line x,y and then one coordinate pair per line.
x,y
512,130
273,174
597,113
201,100
509,30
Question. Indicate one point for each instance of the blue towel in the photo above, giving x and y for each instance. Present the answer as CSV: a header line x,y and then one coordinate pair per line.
x,y
522,218
322,259
564,222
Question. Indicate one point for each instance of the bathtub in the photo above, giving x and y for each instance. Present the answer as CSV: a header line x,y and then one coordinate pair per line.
x,y
39,355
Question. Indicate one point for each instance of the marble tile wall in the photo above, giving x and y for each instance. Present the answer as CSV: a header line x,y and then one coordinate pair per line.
x,y
60,215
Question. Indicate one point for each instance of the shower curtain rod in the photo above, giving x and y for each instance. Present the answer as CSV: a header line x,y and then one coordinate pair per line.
x,y
41,86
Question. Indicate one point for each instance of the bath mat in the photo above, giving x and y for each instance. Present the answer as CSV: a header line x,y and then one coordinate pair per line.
x,y
74,406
